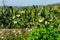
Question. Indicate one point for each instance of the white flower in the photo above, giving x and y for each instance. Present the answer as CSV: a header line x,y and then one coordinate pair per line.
x,y
41,20
29,30
17,15
14,31
13,17
46,22
22,11
2,37
39,13
19,32
15,22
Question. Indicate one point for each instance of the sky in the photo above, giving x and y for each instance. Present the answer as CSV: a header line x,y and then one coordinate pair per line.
x,y
28,2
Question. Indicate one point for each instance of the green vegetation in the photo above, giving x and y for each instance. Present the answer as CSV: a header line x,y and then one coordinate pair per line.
x,y
11,17
43,22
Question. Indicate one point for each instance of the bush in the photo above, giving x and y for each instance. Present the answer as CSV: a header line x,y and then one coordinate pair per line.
x,y
43,34
11,17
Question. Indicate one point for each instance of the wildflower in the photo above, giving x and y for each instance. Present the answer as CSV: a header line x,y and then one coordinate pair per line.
x,y
39,13
15,22
2,37
46,22
29,30
41,20
19,32
22,11
17,15
13,17
14,31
